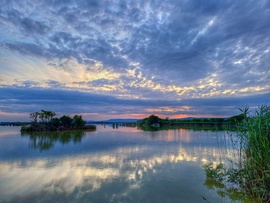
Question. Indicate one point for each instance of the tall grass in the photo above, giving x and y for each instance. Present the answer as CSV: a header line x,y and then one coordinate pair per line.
x,y
252,171
254,155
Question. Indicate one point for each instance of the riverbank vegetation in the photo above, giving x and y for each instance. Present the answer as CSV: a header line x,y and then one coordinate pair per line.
x,y
251,171
46,121
154,121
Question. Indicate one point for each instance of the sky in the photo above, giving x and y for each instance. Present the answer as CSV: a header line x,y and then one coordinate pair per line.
x,y
107,59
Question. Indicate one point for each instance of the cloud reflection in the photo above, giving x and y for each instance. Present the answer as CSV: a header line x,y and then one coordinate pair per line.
x,y
79,176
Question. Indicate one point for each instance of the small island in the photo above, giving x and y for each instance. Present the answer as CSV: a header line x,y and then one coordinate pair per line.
x,y
46,121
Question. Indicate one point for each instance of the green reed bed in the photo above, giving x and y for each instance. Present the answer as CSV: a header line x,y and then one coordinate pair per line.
x,y
254,136
251,173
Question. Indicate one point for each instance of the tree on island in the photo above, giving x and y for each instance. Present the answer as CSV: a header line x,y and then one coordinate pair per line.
x,y
78,122
43,116
152,120
46,121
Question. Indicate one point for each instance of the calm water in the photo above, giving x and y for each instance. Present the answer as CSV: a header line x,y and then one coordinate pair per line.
x,y
110,165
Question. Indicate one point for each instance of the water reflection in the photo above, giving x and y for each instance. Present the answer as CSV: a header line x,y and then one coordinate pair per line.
x,y
193,128
46,140
116,166
225,192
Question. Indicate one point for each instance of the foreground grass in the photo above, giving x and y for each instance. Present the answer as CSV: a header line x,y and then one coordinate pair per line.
x,y
252,171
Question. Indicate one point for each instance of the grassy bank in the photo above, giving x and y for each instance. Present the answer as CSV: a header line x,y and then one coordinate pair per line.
x,y
251,173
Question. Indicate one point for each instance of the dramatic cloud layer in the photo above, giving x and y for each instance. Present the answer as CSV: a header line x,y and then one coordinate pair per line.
x,y
132,58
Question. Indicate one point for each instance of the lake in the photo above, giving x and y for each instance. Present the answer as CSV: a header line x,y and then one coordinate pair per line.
x,y
121,164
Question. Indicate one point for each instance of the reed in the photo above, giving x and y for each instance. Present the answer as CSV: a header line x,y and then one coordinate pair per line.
x,y
251,173
254,154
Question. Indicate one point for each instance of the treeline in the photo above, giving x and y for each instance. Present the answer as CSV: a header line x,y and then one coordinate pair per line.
x,y
46,121
155,121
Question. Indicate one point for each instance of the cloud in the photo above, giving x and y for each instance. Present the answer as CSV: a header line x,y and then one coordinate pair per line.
x,y
152,50
26,48
25,100
26,24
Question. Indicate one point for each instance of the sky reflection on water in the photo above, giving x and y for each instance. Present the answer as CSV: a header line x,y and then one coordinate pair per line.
x,y
112,165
